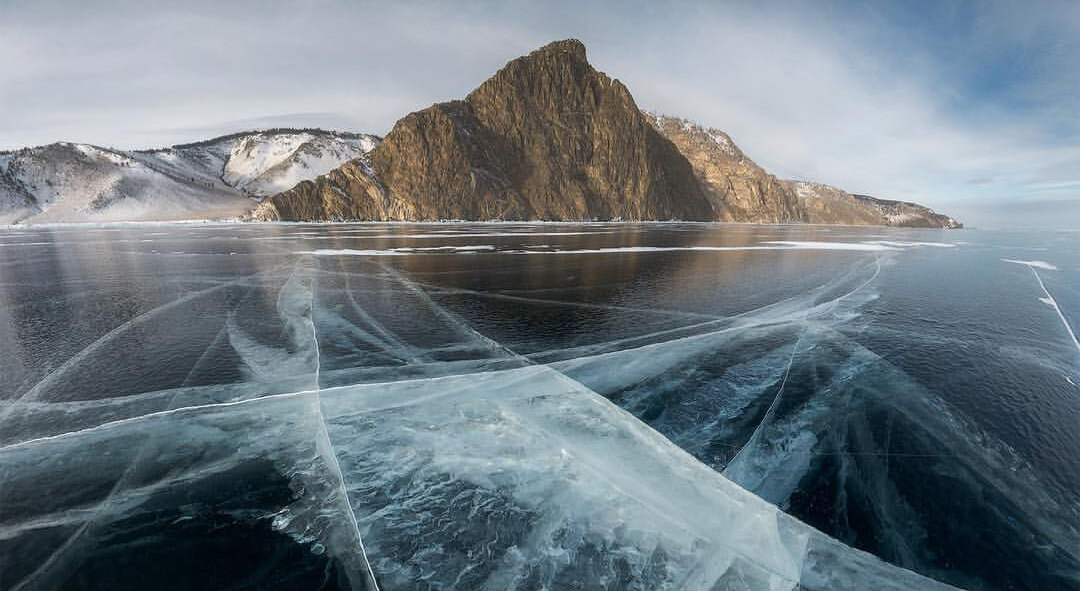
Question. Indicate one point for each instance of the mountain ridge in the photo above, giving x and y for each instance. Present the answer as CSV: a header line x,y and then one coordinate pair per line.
x,y
216,178
739,189
547,137
540,139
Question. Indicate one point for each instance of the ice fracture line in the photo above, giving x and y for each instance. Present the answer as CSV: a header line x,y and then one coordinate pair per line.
x,y
1053,304
324,437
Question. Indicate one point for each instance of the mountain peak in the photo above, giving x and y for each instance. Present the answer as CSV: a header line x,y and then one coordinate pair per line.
x,y
557,77
547,137
573,47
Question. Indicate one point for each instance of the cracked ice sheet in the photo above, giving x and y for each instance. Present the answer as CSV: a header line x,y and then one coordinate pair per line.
x,y
100,382
265,346
524,479
129,504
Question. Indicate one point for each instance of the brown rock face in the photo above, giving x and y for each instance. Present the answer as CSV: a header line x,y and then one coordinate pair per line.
x,y
828,205
349,192
739,189
908,215
550,138
824,204
546,138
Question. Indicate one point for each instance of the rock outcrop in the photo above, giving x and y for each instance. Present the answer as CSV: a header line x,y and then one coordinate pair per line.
x,y
825,204
550,138
908,215
546,138
828,205
739,189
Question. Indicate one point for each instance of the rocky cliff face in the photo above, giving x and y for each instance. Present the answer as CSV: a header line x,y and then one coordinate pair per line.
x,y
828,205
739,189
825,204
550,138
546,138
908,215
16,200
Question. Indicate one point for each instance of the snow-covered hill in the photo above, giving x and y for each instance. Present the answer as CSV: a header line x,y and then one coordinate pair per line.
x,y
219,178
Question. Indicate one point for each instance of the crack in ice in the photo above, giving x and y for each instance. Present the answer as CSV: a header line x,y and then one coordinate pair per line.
x,y
42,385
324,438
1049,299
773,404
1053,303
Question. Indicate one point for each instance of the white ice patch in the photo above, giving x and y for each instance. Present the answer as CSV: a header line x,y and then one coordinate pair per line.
x,y
1037,264
486,234
905,244
818,245
773,245
472,248
405,250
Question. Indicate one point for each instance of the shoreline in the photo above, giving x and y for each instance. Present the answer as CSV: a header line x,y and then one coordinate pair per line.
x,y
241,222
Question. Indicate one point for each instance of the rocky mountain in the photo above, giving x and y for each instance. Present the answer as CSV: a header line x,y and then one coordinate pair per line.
x,y
218,178
825,204
907,214
828,205
739,189
546,138
550,138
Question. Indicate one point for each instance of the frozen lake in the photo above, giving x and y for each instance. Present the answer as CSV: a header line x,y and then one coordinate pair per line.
x,y
550,406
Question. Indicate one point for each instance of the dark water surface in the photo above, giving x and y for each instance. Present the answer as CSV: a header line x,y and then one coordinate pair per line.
x,y
554,406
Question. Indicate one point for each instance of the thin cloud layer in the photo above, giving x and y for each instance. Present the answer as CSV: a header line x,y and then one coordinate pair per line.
x,y
971,108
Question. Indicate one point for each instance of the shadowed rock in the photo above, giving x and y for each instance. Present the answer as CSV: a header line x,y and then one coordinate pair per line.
x,y
739,189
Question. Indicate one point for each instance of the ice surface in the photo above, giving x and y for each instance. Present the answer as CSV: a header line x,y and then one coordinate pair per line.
x,y
488,472
392,435
540,483
404,250
907,243
94,479
536,249
1049,299
821,245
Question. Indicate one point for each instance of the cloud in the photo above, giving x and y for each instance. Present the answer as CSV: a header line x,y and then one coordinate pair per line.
x,y
809,99
112,73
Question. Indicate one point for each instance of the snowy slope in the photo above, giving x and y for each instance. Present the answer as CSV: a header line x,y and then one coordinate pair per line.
x,y
265,164
219,178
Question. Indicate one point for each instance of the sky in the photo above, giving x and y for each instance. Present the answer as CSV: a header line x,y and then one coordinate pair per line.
x,y
971,107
